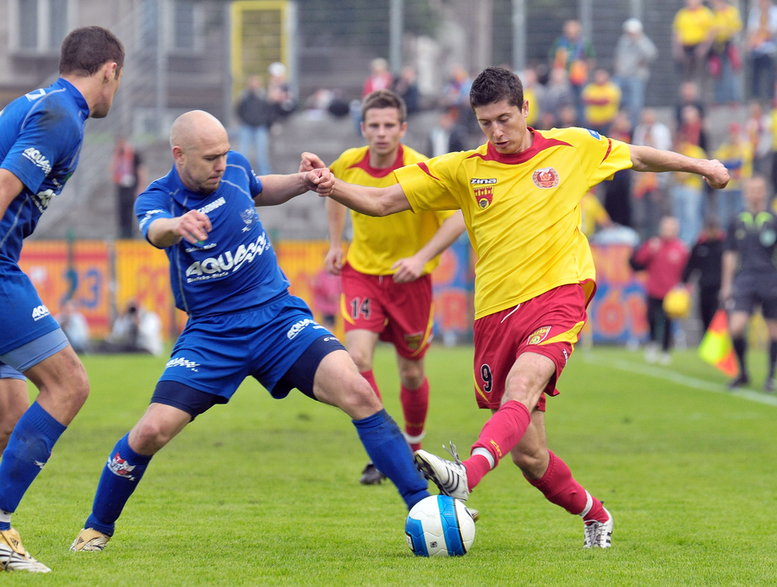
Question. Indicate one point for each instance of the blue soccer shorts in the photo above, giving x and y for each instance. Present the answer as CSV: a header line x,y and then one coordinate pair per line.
x,y
29,332
214,354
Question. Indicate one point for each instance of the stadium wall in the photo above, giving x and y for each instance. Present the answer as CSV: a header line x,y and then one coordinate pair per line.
x,y
102,276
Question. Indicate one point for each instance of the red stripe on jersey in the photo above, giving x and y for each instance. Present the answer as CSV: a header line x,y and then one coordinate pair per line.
x,y
383,172
539,143
425,168
609,149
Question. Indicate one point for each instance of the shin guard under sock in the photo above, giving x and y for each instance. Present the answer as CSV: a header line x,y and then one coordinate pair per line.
x,y
559,487
415,406
28,450
499,436
388,450
118,481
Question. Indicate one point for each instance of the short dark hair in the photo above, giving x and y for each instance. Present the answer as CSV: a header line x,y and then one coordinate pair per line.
x,y
384,99
495,84
86,49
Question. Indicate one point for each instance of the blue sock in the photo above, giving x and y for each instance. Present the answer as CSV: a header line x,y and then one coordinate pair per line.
x,y
388,450
28,450
118,481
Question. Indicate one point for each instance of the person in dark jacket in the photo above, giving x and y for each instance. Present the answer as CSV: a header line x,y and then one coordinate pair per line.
x,y
704,265
255,115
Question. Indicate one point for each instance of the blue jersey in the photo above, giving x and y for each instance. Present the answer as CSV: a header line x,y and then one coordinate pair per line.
x,y
40,139
236,268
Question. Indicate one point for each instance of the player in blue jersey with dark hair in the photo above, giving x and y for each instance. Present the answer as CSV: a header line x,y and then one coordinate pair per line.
x,y
242,319
40,139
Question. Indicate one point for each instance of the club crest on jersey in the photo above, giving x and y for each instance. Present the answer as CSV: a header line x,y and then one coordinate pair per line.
x,y
545,178
484,195
539,335
248,215
483,189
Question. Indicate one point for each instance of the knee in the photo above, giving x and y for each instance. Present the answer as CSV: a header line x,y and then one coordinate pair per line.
x,y
67,395
80,388
148,436
356,398
362,358
411,375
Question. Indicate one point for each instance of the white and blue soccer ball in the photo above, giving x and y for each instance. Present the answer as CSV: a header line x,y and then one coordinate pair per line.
x,y
439,525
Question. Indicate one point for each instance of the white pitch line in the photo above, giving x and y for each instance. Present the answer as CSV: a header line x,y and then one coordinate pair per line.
x,y
668,375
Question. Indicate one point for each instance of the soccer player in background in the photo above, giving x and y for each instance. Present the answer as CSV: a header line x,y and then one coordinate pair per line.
x,y
40,139
242,319
520,193
386,274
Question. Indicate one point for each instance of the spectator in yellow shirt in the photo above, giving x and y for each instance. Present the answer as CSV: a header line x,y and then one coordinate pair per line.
x,y
725,59
691,36
687,192
736,153
602,100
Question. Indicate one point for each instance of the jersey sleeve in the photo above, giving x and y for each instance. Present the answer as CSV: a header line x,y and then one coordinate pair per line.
x,y
254,183
47,136
151,205
427,185
602,156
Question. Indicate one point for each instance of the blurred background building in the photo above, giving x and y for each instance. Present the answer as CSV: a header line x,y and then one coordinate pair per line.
x,y
184,54
319,54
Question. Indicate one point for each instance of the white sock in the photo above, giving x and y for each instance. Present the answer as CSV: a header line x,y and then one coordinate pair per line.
x,y
480,451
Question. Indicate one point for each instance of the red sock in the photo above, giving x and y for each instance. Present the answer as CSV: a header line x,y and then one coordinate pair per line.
x,y
559,487
370,377
415,406
499,436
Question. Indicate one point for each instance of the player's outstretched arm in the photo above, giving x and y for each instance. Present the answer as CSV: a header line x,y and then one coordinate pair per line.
x,y
277,188
649,159
368,200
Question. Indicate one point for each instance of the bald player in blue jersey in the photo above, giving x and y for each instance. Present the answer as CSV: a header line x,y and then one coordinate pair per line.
x,y
40,139
242,319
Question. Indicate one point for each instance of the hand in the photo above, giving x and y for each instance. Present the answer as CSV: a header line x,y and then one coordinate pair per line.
x,y
320,181
193,226
334,260
408,269
717,177
310,161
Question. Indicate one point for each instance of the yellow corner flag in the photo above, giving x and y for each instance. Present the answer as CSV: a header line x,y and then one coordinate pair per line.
x,y
716,348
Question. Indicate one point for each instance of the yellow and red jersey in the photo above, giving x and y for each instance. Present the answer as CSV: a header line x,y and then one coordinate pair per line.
x,y
379,242
692,27
738,158
602,102
522,210
726,23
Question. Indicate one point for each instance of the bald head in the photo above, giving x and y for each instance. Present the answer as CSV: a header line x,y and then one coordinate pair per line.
x,y
200,144
193,128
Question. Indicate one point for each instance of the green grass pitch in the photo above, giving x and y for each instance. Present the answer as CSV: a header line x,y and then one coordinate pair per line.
x,y
265,492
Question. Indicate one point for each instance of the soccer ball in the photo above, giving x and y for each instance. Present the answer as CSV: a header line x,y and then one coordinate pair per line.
x,y
439,525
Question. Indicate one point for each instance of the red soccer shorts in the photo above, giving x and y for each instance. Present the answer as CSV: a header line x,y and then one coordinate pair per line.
x,y
401,313
548,324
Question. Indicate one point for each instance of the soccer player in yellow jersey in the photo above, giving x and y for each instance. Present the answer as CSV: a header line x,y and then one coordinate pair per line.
x,y
520,194
387,286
